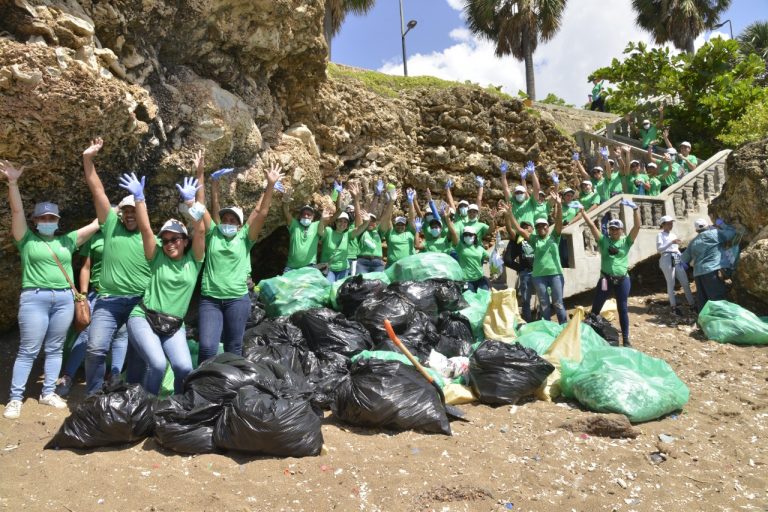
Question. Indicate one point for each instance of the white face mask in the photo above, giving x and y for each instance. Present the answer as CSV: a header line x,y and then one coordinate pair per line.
x,y
519,197
471,220
228,230
469,240
305,222
47,228
462,211
435,232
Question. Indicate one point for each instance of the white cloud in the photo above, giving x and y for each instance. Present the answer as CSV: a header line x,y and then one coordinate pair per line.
x,y
591,35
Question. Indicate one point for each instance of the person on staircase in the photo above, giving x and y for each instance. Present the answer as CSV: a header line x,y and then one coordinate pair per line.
x,y
671,265
634,180
704,252
688,161
614,265
647,133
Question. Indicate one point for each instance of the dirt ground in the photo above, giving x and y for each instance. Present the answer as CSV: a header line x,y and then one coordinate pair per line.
x,y
505,458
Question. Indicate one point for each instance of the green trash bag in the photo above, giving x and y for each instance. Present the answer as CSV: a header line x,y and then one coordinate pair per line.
x,y
166,388
296,290
425,265
727,322
475,312
380,276
624,381
540,335
396,356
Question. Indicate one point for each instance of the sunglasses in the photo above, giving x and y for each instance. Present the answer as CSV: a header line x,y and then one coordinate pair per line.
x,y
169,241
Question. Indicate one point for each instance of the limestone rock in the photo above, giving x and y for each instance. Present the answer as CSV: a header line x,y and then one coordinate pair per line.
x,y
604,425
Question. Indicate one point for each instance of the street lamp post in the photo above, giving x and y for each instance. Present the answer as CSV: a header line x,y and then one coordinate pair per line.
x,y
730,26
404,29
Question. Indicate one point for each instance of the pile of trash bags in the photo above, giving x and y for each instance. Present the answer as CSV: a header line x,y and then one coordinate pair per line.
x,y
725,322
311,347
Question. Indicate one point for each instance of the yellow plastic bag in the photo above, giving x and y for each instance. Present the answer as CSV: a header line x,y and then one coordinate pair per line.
x,y
567,345
456,394
501,316
610,310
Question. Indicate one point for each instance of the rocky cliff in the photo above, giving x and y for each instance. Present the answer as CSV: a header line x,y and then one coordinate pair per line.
x,y
247,82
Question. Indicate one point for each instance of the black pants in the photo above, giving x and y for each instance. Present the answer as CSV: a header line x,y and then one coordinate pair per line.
x,y
598,104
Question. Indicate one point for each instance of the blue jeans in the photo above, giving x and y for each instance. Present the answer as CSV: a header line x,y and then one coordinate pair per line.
x,y
109,315
44,318
479,284
621,292
709,287
555,284
337,276
222,320
153,348
77,353
365,265
525,287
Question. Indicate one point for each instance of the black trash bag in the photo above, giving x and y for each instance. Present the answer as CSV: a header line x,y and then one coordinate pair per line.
x,y
258,314
421,336
603,328
448,295
331,370
328,331
185,423
217,380
124,415
420,293
391,395
453,347
387,305
456,326
297,358
354,291
280,341
270,332
501,373
274,418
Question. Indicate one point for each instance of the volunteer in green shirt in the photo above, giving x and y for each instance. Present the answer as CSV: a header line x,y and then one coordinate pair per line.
x,y
636,182
588,198
547,270
46,304
436,238
225,304
653,179
156,325
524,206
614,265
335,251
647,133
471,254
599,184
369,256
124,276
684,158
305,234
597,98
669,170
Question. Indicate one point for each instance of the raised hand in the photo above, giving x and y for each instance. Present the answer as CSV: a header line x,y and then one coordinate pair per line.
x,y
555,178
327,214
216,175
604,151
338,187
95,147
410,194
188,189
555,196
417,224
379,187
428,195
279,185
530,168
504,167
449,184
273,175
719,222
199,161
480,181
575,205
132,184
11,173
627,202
354,189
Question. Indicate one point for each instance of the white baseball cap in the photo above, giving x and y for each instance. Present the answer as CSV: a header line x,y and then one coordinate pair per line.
x,y
672,151
473,207
238,212
651,164
541,220
128,200
700,224
463,202
646,121
400,220
520,188
568,190
616,223
470,230
665,219
685,143
174,226
343,216
586,182
597,168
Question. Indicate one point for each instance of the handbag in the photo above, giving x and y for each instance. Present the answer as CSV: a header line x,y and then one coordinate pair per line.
x,y
82,308
161,324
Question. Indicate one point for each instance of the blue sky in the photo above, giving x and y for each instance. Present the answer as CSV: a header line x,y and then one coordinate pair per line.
x,y
441,46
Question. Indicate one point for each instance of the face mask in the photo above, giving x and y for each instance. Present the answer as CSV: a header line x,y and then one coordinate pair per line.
x,y
228,230
305,222
47,228
469,240
519,198
435,232
462,211
471,221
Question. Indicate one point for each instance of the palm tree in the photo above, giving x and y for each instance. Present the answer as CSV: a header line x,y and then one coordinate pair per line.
x,y
335,13
516,26
754,39
678,21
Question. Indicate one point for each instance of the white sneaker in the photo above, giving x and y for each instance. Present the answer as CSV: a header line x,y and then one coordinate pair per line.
x,y
53,400
12,410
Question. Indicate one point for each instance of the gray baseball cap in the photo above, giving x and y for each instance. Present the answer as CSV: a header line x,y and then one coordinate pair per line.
x,y
46,208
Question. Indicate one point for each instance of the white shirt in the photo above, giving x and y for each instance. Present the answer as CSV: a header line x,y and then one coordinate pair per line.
x,y
665,242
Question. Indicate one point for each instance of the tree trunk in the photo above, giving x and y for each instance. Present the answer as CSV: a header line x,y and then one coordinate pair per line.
x,y
689,46
530,83
327,29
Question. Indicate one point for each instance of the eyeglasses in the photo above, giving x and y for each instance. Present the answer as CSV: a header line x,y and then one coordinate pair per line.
x,y
169,241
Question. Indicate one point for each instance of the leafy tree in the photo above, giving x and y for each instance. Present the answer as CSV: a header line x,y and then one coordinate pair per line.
x,y
678,21
336,12
754,39
554,99
516,26
753,125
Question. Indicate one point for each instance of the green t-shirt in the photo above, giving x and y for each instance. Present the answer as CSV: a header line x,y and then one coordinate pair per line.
x,y
352,246
601,188
441,243
370,243
614,265
688,163
471,259
38,268
124,269
597,90
94,249
631,188
302,250
673,176
569,213
614,185
481,228
589,200
542,210
648,136
524,211
227,263
655,186
170,285
399,245
546,255
335,249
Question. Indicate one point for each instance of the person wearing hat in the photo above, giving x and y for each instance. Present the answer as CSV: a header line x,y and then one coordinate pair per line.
x,y
471,255
652,170
305,234
588,198
156,324
524,206
613,178
599,183
670,263
46,303
225,304
335,250
634,181
687,161
614,266
400,237
436,238
668,169
519,257
473,221
124,273
704,252
547,270
647,133
370,254
597,98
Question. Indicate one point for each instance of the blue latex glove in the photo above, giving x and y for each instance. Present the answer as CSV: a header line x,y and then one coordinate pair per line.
x,y
449,184
188,189
719,222
504,167
555,178
417,223
379,187
575,205
480,181
627,202
132,184
604,151
530,168
279,186
215,175
410,194
433,207
575,156
338,187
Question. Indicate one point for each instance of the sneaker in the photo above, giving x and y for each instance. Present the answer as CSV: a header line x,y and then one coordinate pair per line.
x,y
53,400
63,385
12,410
626,343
